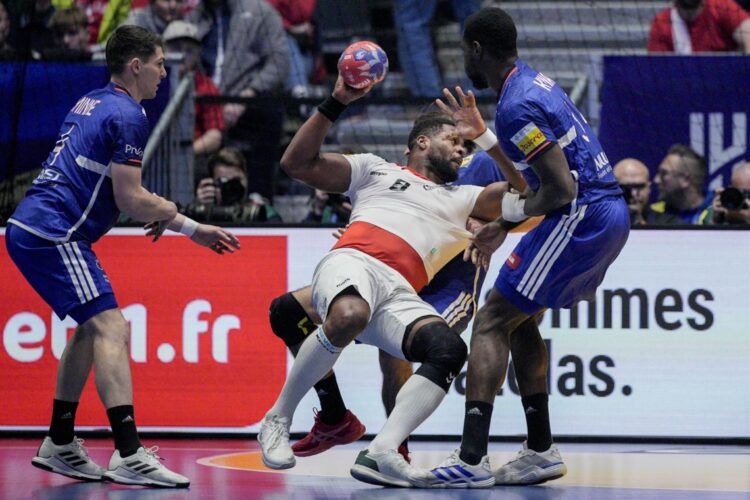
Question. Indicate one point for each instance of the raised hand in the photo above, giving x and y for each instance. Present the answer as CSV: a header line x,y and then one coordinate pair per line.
x,y
346,94
469,122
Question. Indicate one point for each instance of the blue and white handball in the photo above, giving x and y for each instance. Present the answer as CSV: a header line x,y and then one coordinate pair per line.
x,y
363,64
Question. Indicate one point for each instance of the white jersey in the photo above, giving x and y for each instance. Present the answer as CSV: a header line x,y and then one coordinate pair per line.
x,y
427,219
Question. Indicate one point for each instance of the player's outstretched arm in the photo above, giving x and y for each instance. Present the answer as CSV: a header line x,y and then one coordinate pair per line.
x,y
303,160
133,199
213,237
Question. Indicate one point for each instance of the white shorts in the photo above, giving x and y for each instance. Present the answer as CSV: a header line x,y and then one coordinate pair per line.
x,y
394,304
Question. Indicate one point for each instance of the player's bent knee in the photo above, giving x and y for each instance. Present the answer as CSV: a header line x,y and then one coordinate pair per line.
x,y
349,312
441,351
289,321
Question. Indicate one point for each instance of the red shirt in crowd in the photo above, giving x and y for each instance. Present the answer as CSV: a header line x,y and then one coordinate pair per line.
x,y
711,31
207,116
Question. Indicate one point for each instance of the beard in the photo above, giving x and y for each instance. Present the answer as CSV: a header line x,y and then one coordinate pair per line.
x,y
442,168
477,78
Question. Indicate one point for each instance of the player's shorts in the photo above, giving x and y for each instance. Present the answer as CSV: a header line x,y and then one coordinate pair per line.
x,y
67,276
393,303
564,259
453,291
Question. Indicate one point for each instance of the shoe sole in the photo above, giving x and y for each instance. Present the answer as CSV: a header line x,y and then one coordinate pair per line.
x,y
63,470
559,472
140,481
320,449
273,466
369,476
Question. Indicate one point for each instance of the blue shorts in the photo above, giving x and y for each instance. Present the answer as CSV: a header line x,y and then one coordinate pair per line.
x,y
66,275
564,259
453,290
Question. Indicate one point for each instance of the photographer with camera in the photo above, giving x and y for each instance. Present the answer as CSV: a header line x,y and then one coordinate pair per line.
x,y
731,205
633,177
329,208
680,180
223,196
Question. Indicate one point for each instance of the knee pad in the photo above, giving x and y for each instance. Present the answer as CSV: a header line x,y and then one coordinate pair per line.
x,y
289,321
441,351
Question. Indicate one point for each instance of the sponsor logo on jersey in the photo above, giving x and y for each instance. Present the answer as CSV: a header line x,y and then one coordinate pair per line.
x,y
513,261
529,138
134,150
378,172
447,187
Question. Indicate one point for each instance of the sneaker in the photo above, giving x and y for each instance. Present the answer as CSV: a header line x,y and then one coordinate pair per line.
x,y
455,473
70,460
387,468
404,452
143,468
324,436
532,467
274,442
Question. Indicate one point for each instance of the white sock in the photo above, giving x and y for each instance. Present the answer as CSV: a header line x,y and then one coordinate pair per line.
x,y
315,358
416,401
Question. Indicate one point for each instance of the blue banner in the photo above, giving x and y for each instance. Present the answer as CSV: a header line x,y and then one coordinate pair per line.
x,y
652,102
34,99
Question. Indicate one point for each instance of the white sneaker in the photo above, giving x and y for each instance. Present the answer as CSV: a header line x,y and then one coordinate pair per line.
x,y
274,442
532,467
143,468
455,473
70,460
388,468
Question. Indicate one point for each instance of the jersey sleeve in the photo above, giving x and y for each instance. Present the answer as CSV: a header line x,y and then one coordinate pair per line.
x,y
129,133
479,169
524,130
362,165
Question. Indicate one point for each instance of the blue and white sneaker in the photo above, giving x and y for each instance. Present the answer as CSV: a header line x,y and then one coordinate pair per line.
x,y
532,467
455,473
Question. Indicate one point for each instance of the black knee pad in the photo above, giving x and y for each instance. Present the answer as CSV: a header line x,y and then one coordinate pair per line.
x,y
289,321
441,352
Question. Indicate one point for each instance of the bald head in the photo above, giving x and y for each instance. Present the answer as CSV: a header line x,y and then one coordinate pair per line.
x,y
741,176
631,171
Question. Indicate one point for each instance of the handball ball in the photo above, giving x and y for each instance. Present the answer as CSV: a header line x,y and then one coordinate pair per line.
x,y
363,64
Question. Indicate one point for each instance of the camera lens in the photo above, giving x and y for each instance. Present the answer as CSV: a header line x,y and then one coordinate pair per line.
x,y
732,198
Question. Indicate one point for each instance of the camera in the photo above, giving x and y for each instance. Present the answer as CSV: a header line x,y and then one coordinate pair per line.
x,y
232,190
627,193
732,198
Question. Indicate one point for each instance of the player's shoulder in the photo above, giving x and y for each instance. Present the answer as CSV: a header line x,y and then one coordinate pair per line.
x,y
369,160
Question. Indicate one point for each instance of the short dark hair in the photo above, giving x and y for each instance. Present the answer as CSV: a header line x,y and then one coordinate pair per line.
x,y
692,163
128,42
495,31
227,156
428,124
65,19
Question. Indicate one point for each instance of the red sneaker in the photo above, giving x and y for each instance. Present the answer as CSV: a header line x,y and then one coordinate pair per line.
x,y
404,451
323,436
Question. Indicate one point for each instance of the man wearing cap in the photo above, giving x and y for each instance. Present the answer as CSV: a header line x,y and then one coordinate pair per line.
x,y
700,26
182,37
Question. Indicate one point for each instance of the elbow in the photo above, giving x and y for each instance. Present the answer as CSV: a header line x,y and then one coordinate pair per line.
x,y
293,167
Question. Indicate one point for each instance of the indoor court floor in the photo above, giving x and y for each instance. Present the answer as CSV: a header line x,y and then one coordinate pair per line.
x,y
232,468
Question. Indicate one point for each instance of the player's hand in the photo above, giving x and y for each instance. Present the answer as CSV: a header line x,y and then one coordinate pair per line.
x,y
217,239
338,233
346,94
469,122
485,241
232,113
157,228
206,192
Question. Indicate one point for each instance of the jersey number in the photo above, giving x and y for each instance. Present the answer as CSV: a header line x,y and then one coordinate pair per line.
x,y
399,185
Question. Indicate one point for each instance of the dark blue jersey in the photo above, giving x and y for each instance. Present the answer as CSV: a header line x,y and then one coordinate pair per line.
x,y
72,198
533,114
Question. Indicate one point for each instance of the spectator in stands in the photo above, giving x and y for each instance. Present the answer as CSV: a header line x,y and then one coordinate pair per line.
x,y
700,26
301,41
182,37
680,181
633,176
731,205
245,53
70,27
416,53
223,196
157,15
7,52
329,208
30,33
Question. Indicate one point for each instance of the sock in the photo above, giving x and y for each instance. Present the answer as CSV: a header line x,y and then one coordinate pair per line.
x,y
476,431
122,421
416,401
537,422
332,408
63,421
315,358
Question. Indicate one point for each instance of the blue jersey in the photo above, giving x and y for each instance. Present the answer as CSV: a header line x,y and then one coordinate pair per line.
x,y
533,114
72,198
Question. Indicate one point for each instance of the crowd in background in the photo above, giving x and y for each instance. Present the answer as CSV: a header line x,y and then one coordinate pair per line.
x,y
270,50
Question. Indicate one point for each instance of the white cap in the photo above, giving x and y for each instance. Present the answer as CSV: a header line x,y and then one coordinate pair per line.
x,y
180,29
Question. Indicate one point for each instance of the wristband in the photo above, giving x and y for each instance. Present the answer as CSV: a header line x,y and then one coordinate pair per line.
x,y
513,208
188,227
331,108
486,140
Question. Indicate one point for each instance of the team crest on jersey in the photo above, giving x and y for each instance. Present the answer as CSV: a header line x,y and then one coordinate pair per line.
x,y
399,185
529,138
